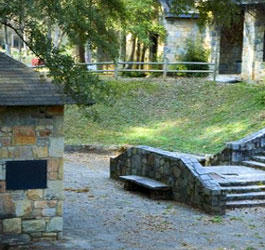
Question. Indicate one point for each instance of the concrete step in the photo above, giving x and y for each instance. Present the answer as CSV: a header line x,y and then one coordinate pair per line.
x,y
242,204
246,196
259,158
244,189
242,182
254,164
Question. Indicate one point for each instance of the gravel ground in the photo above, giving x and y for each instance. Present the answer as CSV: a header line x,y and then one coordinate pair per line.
x,y
100,214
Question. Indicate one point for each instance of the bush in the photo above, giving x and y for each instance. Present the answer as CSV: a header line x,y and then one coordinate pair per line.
x,y
177,67
195,52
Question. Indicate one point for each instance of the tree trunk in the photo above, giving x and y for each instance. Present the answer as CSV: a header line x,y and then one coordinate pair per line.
x,y
7,45
138,53
56,36
80,53
132,53
123,42
143,55
88,53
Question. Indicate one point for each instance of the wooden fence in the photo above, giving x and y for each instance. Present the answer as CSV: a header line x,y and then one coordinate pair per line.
x,y
121,67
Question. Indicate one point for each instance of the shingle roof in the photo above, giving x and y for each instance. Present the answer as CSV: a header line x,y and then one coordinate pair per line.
x,y
21,86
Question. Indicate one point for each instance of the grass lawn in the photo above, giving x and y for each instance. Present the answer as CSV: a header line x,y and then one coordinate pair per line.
x,y
188,115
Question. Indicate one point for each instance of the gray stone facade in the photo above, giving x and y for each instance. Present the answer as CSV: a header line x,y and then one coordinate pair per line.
x,y
238,51
32,133
190,182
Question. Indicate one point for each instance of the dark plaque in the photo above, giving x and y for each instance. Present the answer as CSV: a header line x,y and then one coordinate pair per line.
x,y
23,175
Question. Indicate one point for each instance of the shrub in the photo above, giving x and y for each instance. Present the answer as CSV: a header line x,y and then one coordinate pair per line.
x,y
195,52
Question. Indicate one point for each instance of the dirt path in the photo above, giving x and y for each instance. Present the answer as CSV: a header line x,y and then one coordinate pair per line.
x,y
99,214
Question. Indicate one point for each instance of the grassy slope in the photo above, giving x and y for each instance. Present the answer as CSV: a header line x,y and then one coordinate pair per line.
x,y
188,115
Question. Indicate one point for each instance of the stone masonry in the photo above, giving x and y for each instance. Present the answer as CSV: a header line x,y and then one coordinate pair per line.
x,y
32,133
191,183
236,152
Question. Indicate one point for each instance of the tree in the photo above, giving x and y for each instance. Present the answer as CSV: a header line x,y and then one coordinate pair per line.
x,y
219,12
81,20
143,23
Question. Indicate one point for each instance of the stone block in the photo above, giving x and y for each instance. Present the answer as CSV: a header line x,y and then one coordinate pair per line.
x,y
49,212
35,194
55,190
2,171
24,135
12,225
56,147
59,209
5,142
2,186
33,226
40,152
7,206
45,204
23,208
14,240
55,224
21,153
45,133
3,153
58,126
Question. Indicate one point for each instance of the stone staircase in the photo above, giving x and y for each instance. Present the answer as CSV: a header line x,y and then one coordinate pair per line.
x,y
248,190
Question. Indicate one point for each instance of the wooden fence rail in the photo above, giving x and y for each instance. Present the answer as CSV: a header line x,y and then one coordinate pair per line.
x,y
116,69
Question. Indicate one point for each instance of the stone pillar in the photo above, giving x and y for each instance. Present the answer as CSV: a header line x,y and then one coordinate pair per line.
x,y
215,46
253,47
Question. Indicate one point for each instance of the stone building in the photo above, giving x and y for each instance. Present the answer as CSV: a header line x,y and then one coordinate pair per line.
x,y
238,51
31,155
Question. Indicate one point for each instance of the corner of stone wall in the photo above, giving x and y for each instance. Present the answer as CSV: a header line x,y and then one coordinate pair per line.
x,y
190,183
241,150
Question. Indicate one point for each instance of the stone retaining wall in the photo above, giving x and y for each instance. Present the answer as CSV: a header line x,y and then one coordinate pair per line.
x,y
191,184
238,151
32,133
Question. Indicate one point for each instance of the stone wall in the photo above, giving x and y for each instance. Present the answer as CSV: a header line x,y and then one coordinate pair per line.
x,y
238,151
178,31
32,133
190,182
253,67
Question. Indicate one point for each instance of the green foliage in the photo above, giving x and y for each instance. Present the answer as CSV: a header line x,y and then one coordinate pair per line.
x,y
142,19
195,52
219,12
82,20
177,67
217,220
188,115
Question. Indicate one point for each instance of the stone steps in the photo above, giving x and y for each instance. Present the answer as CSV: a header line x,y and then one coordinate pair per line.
x,y
244,189
242,182
254,164
246,196
259,158
245,203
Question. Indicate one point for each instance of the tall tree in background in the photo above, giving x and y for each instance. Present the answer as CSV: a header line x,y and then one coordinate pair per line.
x,y
143,23
81,20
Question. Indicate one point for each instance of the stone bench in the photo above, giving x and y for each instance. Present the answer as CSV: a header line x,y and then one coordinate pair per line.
x,y
156,189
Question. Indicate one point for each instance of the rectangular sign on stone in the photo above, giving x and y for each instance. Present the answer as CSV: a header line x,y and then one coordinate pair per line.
x,y
24,175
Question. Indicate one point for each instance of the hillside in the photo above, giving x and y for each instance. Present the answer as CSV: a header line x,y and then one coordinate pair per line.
x,y
188,115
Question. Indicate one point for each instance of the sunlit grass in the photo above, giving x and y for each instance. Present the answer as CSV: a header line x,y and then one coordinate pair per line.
x,y
189,115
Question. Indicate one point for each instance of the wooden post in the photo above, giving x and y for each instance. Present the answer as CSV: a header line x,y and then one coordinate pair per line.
x,y
116,65
215,68
165,69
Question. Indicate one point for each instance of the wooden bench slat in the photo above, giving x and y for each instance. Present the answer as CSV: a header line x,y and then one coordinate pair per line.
x,y
146,182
